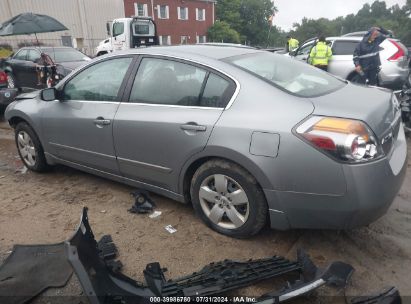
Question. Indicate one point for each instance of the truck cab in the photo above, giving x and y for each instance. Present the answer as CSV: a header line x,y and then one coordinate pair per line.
x,y
128,33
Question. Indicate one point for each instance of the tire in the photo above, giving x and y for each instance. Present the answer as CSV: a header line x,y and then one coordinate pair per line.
x,y
408,82
217,210
11,81
357,79
29,147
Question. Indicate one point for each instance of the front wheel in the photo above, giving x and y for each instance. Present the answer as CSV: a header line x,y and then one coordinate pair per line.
x,y
228,199
29,148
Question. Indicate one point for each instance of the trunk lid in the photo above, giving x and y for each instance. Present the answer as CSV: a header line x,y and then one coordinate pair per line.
x,y
375,106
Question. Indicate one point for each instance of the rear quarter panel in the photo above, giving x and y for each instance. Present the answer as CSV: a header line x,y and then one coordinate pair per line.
x,y
296,167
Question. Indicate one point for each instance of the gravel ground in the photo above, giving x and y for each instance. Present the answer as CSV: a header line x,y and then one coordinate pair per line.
x,y
45,208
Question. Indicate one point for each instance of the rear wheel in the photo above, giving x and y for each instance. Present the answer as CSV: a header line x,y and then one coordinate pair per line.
x,y
29,148
228,199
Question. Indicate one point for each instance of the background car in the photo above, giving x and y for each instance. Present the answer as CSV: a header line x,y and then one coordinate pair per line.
x,y
394,59
21,68
3,80
245,135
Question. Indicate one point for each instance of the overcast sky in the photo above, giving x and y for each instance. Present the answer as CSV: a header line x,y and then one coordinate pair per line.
x,y
291,11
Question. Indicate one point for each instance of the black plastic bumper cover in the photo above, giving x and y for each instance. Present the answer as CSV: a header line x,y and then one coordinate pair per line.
x,y
102,285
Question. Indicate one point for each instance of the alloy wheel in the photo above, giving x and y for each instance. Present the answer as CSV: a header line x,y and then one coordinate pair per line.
x,y
26,148
224,201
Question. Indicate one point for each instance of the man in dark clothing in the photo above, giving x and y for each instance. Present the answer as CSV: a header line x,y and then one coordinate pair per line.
x,y
367,57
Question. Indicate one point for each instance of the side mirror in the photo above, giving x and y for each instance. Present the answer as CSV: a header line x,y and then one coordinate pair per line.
x,y
108,28
293,53
49,94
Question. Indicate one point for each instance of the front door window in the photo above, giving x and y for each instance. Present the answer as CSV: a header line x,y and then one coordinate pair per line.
x,y
100,82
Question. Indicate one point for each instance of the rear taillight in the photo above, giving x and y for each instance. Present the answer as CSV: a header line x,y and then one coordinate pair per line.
x,y
3,77
346,140
399,55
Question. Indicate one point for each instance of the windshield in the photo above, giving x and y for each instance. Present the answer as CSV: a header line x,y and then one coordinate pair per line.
x,y
288,74
66,55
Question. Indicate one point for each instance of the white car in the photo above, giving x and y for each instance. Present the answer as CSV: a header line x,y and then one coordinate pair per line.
x,y
393,54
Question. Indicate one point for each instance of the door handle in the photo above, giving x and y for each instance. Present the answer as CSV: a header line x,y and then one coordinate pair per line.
x,y
193,127
100,121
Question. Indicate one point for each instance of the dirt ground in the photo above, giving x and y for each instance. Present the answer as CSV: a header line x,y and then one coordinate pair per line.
x,y
45,208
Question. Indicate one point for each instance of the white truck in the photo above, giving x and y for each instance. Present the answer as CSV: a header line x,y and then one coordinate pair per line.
x,y
128,33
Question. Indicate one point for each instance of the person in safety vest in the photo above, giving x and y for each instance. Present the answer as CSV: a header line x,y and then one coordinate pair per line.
x,y
367,57
320,54
292,44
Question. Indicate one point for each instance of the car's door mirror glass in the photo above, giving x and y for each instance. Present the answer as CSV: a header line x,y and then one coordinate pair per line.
x,y
49,94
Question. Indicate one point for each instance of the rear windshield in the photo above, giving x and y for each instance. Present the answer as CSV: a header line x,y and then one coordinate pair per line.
x,y
288,74
66,55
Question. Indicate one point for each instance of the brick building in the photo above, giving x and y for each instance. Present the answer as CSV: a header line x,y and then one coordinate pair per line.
x,y
178,21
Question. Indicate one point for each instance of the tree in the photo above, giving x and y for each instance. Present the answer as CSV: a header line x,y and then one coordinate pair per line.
x,y
222,32
250,18
395,18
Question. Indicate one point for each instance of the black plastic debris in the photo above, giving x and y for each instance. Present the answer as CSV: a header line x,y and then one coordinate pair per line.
x,y
389,295
31,269
143,202
103,285
107,249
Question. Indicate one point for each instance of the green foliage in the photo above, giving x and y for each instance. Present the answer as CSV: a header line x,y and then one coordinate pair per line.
x,y
249,18
221,31
395,18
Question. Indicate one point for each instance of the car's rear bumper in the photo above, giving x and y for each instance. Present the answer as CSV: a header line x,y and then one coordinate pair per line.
x,y
394,77
371,189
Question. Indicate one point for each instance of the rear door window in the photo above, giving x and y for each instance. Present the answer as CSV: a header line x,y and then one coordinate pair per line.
x,y
217,92
175,83
344,47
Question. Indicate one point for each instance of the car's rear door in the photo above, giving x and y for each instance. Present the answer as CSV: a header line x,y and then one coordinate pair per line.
x,y
342,63
79,127
173,106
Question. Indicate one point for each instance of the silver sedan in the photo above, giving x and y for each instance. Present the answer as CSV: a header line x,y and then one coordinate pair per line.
x,y
246,136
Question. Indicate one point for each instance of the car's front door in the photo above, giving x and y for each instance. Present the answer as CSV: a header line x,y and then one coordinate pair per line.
x,y
78,127
342,63
172,108
18,66
118,40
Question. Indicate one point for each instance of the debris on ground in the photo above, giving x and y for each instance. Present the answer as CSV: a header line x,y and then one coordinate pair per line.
x,y
22,170
170,229
388,295
143,202
31,269
155,214
105,286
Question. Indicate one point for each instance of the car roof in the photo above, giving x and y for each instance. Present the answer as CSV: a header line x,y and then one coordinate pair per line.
x,y
46,48
198,51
